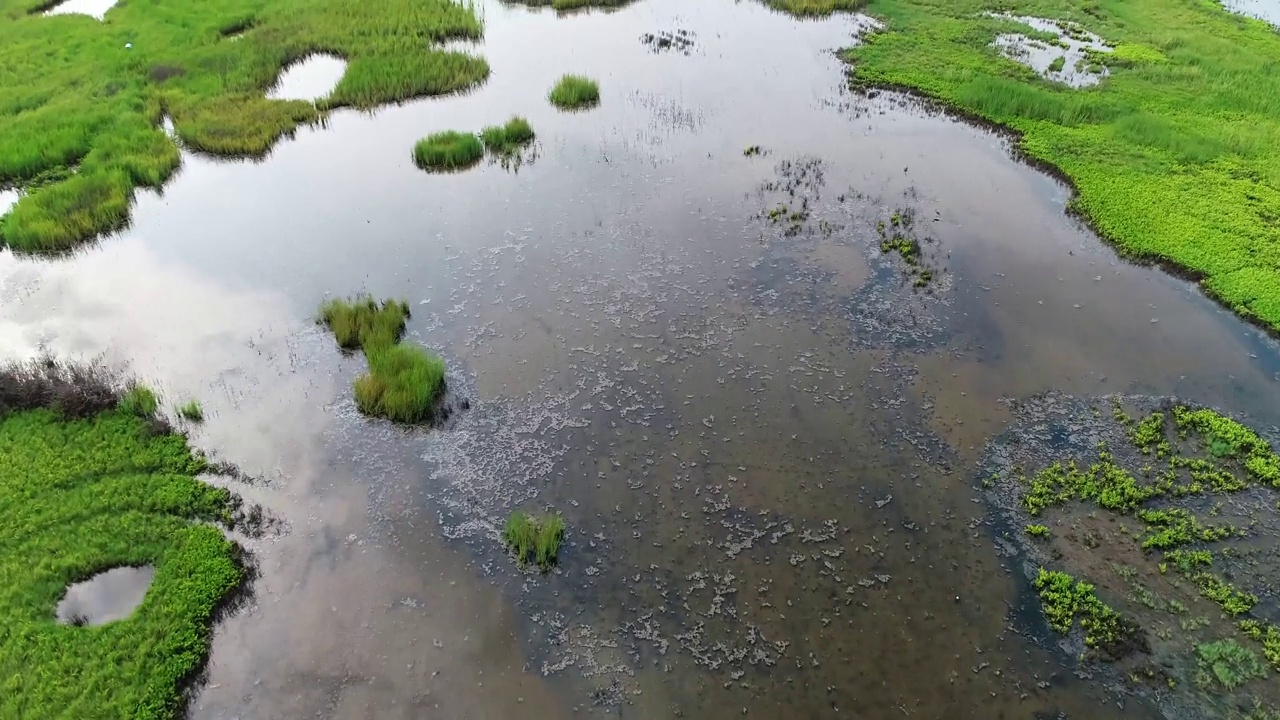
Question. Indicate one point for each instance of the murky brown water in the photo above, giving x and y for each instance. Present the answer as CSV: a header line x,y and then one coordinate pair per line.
x,y
760,436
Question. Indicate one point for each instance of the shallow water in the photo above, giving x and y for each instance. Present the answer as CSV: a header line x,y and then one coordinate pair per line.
x,y
760,436
7,200
1072,60
313,78
93,8
105,597
1268,10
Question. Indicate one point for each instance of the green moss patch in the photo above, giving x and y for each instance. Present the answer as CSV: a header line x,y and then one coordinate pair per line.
x,y
87,485
404,382
1175,154
83,95
575,92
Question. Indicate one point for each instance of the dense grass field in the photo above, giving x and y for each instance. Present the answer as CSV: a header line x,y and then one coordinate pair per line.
x,y
82,100
1175,155
404,381
88,484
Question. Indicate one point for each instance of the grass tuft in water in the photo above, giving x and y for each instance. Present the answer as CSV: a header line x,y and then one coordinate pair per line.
x,y
574,92
509,138
449,150
191,410
140,401
404,381
534,540
363,322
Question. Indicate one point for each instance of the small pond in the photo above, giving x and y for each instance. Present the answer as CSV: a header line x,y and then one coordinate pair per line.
x,y
105,597
93,8
310,79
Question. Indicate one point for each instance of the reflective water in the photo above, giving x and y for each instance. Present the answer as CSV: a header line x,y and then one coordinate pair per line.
x,y
759,433
310,79
105,597
93,8
1268,10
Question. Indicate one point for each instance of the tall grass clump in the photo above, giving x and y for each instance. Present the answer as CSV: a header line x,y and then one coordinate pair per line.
x,y
507,139
191,410
404,382
1175,155
86,485
449,150
84,99
140,401
363,322
534,540
402,385
574,92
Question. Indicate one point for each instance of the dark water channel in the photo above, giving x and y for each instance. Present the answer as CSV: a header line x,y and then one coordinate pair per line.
x,y
760,435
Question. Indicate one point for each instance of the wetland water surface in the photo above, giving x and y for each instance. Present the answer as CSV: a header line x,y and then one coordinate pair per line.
x,y
760,435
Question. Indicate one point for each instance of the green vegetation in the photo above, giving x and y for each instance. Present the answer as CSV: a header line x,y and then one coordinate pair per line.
x,y
87,485
1235,459
534,540
1175,156
752,151
140,401
899,237
404,381
449,150
574,92
192,411
1228,663
1057,64
509,138
814,8
81,101
1037,531
1064,599
566,5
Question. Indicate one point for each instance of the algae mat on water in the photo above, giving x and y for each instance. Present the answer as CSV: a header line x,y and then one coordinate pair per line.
x,y
1175,154
86,486
82,100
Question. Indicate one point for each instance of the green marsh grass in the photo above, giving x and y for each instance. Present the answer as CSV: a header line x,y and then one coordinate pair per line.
x,y
509,138
404,382
140,401
1175,156
575,92
534,540
191,410
87,485
448,150
73,96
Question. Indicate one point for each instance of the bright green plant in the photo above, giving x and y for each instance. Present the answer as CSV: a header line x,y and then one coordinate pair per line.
x,y
449,150
1037,531
507,139
534,540
574,92
140,401
404,382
